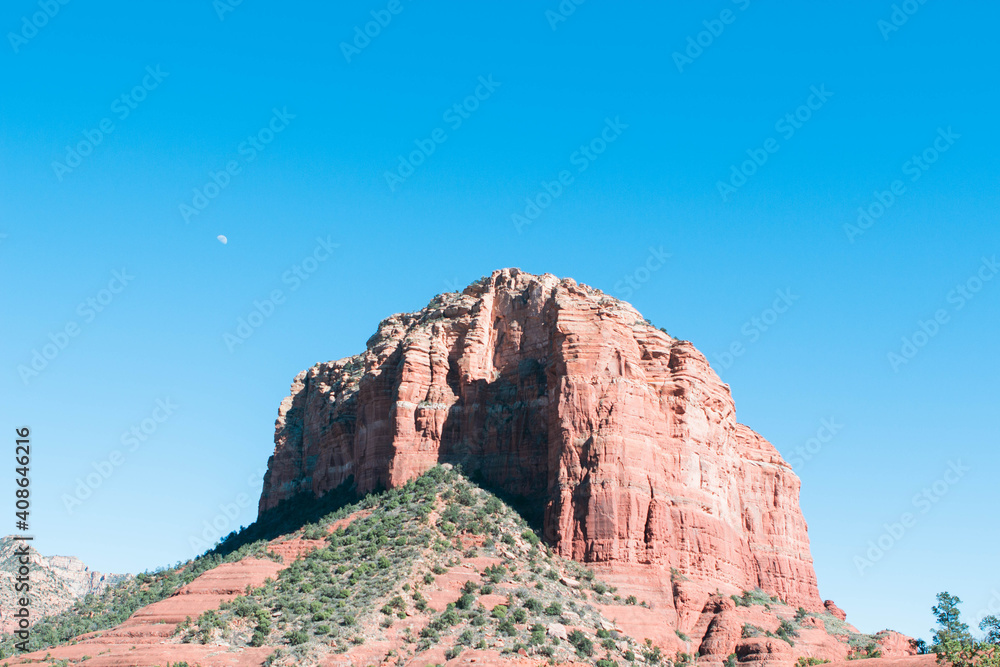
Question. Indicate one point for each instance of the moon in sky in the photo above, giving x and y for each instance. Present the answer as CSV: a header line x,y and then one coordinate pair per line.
x,y
222,239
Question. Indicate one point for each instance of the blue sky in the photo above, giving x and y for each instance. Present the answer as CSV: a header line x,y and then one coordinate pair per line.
x,y
116,116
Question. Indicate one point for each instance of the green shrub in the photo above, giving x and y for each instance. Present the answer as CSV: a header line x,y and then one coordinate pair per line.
x,y
652,654
449,617
581,643
802,661
786,631
755,597
297,637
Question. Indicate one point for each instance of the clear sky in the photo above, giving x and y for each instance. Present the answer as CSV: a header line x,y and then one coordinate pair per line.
x,y
132,135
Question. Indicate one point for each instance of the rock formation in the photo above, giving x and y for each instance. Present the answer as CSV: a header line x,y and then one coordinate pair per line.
x,y
832,607
553,391
56,582
450,561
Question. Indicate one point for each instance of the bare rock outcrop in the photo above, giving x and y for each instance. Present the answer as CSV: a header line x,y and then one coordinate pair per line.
x,y
56,581
554,392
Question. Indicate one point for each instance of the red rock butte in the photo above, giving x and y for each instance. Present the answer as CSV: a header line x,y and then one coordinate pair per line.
x,y
552,391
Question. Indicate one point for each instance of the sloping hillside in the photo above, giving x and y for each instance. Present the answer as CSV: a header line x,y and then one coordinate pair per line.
x,y
438,571
56,581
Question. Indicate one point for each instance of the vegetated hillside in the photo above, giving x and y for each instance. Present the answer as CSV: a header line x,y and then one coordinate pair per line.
x,y
100,611
56,581
436,571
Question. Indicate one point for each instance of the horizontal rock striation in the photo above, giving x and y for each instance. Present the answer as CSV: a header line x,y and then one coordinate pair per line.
x,y
558,394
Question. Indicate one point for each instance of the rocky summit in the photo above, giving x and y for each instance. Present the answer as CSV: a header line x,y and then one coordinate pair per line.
x,y
525,473
553,392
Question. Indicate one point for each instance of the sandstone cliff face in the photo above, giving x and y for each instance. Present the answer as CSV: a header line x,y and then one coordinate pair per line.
x,y
553,391
56,582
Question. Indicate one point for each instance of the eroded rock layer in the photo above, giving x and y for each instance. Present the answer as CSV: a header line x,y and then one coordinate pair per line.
x,y
56,582
554,392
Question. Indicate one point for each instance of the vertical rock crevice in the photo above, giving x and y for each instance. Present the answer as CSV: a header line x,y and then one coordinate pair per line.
x,y
621,439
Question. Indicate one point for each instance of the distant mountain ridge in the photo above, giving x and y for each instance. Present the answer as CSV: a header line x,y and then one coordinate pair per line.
x,y
56,582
